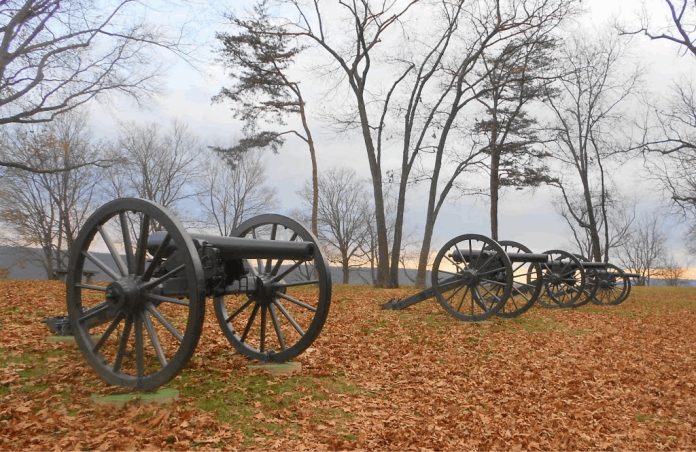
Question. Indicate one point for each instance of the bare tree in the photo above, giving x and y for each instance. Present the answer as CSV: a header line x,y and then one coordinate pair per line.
x,y
343,217
370,23
230,193
643,250
58,55
620,217
47,209
593,84
669,132
259,55
671,271
679,28
155,164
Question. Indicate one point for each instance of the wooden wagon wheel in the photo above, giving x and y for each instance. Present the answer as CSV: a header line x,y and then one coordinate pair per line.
x,y
280,322
564,280
592,276
527,282
613,286
471,277
131,333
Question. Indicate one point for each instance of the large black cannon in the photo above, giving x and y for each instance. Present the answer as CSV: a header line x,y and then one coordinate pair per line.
x,y
269,282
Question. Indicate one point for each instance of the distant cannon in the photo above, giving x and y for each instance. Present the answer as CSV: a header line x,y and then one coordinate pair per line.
x,y
474,277
583,281
269,282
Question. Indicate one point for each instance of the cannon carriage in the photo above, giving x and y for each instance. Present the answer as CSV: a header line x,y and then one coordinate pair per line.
x,y
474,277
269,282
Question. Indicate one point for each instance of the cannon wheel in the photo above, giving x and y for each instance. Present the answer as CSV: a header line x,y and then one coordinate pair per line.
x,y
280,324
130,333
591,282
613,286
465,289
564,282
527,282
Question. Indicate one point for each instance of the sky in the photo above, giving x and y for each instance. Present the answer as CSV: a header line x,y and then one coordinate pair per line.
x,y
526,216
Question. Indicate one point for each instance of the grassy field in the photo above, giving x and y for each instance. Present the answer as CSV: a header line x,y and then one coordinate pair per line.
x,y
620,377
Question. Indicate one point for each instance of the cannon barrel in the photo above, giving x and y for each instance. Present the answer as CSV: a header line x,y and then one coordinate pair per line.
x,y
585,264
632,275
468,256
243,248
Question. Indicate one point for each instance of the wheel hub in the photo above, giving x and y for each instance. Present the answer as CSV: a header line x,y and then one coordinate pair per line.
x,y
265,290
469,277
125,294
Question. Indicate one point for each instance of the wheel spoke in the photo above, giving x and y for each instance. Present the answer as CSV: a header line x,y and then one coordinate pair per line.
x,y
478,299
112,250
269,261
461,301
488,272
277,265
141,251
258,260
157,257
455,292
286,272
249,323
524,295
456,264
110,329
109,272
497,283
290,318
127,243
165,323
276,326
156,282
94,311
139,347
238,311
122,344
91,287
262,340
154,340
155,297
296,301
298,283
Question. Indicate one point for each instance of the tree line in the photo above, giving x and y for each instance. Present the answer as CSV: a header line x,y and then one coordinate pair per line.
x,y
451,91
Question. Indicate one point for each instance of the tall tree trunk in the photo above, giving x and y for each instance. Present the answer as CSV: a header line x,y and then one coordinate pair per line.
x,y
315,171
592,222
494,189
398,228
431,213
380,220
346,269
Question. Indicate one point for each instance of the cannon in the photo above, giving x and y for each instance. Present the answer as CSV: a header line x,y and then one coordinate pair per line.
x,y
572,280
269,282
474,277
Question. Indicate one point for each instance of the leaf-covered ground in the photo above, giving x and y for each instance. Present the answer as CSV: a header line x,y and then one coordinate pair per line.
x,y
594,378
